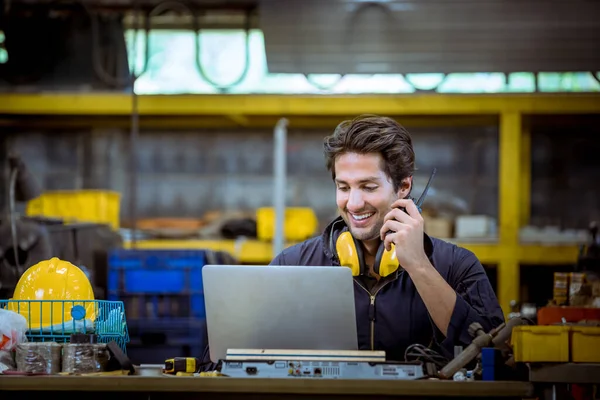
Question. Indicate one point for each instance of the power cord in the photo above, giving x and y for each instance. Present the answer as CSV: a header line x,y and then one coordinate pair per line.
x,y
419,352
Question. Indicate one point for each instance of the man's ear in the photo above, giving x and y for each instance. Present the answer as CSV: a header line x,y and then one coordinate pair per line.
x,y
405,187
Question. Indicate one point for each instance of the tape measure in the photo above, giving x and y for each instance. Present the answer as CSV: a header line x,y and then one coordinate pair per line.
x,y
181,364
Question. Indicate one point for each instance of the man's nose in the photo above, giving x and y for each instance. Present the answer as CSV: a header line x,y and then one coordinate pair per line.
x,y
355,200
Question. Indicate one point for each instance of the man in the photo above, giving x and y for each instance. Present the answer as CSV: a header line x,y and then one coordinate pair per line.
x,y
439,288
436,291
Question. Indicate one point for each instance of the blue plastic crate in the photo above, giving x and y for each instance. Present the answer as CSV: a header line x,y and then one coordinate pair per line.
x,y
152,259
155,277
56,320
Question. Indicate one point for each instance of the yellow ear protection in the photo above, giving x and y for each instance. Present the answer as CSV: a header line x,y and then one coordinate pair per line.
x,y
349,250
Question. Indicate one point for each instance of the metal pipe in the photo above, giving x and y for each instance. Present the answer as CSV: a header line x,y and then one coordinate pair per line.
x,y
279,175
13,223
133,178
135,128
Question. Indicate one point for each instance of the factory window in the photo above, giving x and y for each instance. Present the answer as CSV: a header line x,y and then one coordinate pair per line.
x,y
3,52
172,69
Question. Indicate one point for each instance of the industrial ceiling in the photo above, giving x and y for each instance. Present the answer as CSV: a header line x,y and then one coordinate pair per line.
x,y
431,36
342,36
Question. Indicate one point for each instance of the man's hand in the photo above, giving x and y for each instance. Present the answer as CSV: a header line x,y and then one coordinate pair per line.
x,y
405,231
407,235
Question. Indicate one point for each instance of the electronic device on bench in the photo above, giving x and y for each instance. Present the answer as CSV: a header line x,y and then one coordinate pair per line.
x,y
303,315
278,307
250,363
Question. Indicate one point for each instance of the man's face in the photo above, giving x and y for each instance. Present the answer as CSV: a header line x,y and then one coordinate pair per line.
x,y
364,193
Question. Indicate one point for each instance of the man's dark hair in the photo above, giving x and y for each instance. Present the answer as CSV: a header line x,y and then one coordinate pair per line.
x,y
373,134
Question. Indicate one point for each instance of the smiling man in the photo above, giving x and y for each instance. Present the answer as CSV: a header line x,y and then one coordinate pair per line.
x,y
409,287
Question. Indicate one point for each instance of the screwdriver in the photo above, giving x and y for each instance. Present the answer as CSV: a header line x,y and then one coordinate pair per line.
x,y
182,364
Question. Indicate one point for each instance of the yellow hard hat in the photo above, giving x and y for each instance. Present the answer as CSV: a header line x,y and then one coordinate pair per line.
x,y
53,279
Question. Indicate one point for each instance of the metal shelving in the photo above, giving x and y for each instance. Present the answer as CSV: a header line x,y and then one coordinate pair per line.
x,y
510,111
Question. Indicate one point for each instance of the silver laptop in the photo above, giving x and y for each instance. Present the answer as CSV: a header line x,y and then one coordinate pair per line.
x,y
278,307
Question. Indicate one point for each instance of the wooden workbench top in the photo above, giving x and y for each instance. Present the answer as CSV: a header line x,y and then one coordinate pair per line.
x,y
216,387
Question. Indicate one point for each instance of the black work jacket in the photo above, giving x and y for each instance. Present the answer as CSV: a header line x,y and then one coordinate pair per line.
x,y
392,315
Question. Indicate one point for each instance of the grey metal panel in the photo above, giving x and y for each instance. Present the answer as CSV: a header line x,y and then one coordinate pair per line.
x,y
427,36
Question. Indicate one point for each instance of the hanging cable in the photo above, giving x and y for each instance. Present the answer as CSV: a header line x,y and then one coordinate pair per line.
x,y
321,86
224,88
433,89
172,5
99,69
594,76
419,352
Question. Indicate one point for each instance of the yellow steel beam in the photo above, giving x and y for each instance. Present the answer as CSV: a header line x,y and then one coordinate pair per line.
x,y
549,254
254,251
487,253
239,119
245,251
525,189
298,105
509,204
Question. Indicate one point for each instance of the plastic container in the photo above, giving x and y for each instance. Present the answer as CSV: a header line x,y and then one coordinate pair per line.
x,y
158,283
541,343
585,344
300,223
98,206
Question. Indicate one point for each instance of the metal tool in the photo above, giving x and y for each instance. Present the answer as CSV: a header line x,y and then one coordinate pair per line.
x,y
497,337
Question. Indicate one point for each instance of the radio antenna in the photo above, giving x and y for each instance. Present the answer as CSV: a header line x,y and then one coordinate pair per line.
x,y
421,200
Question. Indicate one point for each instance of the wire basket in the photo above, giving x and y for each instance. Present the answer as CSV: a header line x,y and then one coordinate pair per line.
x,y
57,320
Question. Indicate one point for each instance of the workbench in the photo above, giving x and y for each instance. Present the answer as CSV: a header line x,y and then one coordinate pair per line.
x,y
208,388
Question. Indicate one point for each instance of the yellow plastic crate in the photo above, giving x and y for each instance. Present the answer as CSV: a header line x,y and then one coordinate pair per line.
x,y
540,343
300,223
99,206
585,344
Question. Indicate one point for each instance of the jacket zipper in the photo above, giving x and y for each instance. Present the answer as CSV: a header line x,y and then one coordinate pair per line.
x,y
372,310
372,317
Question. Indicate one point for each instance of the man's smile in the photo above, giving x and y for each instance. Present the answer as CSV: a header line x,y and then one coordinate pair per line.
x,y
362,218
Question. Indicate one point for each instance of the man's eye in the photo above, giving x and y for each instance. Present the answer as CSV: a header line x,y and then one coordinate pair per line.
x,y
342,189
370,188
